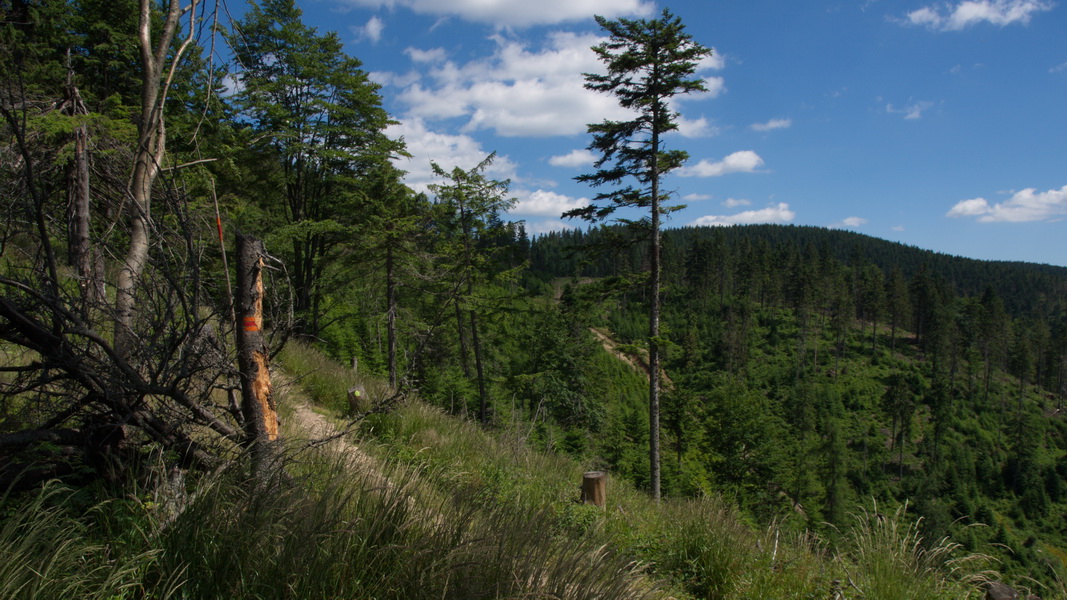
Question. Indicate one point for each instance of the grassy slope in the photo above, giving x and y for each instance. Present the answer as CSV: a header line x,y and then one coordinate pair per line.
x,y
468,513
698,547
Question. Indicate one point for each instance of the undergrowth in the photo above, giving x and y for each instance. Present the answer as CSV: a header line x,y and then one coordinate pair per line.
x,y
447,510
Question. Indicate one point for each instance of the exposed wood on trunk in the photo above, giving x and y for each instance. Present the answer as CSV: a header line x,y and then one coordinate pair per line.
x,y
257,402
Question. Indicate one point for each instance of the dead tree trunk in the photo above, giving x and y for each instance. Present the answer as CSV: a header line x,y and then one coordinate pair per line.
x,y
257,402
78,191
148,157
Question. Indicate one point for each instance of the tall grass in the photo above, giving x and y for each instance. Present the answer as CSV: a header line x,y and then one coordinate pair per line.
x,y
697,547
885,558
706,545
324,379
701,547
447,510
328,532
333,533
47,552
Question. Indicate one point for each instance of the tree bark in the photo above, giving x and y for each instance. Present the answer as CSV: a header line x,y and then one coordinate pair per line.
x,y
151,147
594,488
483,395
257,401
390,300
463,354
653,318
79,203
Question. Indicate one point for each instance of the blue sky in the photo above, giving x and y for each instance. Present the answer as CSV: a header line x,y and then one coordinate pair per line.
x,y
937,124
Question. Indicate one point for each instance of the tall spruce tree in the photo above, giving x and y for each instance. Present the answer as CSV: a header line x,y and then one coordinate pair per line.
x,y
649,62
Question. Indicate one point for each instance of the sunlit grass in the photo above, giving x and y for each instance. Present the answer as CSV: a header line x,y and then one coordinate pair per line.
x,y
446,509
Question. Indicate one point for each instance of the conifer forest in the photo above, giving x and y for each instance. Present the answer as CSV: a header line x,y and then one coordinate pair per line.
x,y
796,387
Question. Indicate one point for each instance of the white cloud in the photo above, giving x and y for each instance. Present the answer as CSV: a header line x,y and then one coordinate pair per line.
x,y
543,227
447,150
744,161
969,208
713,62
433,55
1025,205
372,31
232,84
897,228
716,86
696,197
518,91
1058,68
384,78
543,203
772,124
517,13
696,128
955,17
911,111
778,213
575,158
852,222
735,202
523,89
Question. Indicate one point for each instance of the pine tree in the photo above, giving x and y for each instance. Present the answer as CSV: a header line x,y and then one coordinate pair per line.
x,y
648,63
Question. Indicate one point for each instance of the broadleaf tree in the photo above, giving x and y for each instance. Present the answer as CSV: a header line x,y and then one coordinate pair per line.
x,y
649,62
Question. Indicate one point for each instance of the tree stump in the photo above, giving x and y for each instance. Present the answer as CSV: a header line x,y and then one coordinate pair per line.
x,y
594,488
358,401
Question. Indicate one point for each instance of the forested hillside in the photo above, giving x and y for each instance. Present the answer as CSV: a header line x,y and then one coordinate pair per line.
x,y
807,374
1024,288
816,370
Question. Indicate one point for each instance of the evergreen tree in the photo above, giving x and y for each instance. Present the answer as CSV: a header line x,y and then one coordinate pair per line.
x,y
319,118
468,213
393,227
648,63
897,304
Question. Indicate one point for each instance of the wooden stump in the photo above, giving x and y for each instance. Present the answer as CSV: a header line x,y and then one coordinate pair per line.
x,y
594,488
358,401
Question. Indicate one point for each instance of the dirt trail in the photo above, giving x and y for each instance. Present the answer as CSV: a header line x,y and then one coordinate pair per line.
x,y
639,360
305,423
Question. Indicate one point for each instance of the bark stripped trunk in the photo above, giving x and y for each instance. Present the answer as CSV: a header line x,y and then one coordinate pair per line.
x,y
257,402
